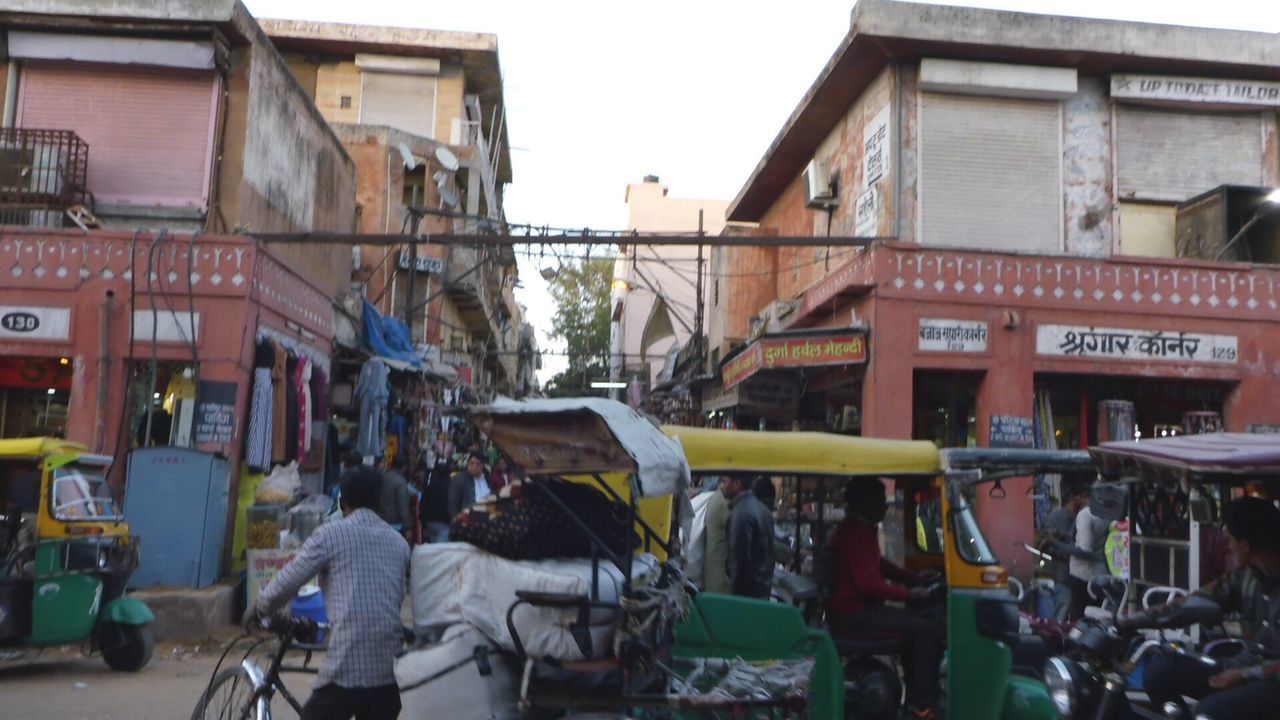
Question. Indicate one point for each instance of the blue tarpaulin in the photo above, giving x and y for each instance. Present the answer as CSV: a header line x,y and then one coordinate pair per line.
x,y
388,337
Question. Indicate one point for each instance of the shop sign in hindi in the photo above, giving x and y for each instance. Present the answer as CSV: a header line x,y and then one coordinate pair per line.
x,y
866,214
35,323
1196,90
1011,431
746,364
941,335
1129,344
798,351
875,149
215,420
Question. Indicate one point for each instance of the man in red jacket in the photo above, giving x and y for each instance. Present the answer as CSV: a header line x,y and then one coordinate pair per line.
x,y
864,581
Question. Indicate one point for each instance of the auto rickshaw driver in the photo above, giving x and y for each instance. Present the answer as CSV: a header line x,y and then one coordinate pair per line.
x,y
863,581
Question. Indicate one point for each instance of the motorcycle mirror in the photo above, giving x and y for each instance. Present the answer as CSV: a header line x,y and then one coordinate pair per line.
x,y
1109,501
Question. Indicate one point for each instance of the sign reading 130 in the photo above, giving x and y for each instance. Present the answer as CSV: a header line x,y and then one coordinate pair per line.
x,y
23,322
35,323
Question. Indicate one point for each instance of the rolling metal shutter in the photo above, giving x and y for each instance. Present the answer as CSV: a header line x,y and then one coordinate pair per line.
x,y
990,173
150,130
404,102
1176,155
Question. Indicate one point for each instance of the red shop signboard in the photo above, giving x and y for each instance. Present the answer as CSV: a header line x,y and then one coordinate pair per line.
x,y
796,351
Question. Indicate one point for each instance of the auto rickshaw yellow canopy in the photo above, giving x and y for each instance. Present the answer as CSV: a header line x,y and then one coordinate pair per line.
x,y
38,447
802,453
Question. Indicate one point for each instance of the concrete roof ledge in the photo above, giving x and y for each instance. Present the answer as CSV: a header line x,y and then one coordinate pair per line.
x,y
215,11
1003,28
380,35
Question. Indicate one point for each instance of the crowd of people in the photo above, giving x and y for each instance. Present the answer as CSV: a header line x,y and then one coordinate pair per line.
x,y
734,549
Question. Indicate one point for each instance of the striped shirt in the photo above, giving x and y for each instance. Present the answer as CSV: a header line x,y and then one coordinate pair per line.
x,y
362,563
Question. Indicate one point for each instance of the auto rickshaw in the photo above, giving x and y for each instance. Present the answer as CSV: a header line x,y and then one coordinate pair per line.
x,y
613,628
1097,676
981,615
66,554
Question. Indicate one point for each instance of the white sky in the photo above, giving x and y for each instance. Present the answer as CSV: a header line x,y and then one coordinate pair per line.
x,y
601,93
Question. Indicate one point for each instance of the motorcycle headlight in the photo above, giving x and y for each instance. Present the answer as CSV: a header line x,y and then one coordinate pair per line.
x,y
1061,685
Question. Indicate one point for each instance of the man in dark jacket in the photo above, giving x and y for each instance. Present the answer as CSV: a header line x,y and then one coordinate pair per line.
x,y
393,502
750,540
468,486
1246,685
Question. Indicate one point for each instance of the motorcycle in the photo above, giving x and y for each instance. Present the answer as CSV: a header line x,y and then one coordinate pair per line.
x,y
1091,679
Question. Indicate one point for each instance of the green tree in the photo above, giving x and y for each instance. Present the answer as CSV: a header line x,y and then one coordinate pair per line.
x,y
583,313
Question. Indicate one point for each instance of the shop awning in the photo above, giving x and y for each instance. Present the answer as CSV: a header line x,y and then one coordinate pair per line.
x,y
388,338
1241,456
802,453
796,349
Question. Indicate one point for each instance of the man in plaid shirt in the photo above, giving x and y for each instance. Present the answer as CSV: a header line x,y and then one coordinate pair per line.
x,y
362,564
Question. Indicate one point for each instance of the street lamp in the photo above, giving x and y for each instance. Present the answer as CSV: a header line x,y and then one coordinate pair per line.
x,y
1268,203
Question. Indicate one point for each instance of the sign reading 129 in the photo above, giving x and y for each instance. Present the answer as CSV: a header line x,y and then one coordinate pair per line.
x,y
23,322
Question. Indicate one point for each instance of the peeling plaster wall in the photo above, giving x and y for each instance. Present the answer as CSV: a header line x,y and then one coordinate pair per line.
x,y
842,150
908,147
1086,170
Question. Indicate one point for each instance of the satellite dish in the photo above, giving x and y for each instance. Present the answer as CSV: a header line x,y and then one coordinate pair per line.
x,y
449,196
410,162
447,159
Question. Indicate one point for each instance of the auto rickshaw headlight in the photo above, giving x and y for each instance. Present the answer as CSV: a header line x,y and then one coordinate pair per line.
x,y
1059,681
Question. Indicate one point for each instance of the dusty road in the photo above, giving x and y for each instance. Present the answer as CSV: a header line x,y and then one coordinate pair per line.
x,y
62,683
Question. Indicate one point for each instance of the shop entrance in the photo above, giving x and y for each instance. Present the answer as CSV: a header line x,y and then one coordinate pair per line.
x,y
161,413
35,395
1068,406
943,408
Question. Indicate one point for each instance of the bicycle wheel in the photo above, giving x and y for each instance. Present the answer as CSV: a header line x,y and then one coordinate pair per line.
x,y
229,697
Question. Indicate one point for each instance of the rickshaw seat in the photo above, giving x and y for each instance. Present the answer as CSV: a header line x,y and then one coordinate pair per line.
x,y
869,645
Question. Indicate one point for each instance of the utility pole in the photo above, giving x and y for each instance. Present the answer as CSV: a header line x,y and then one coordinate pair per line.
x,y
699,308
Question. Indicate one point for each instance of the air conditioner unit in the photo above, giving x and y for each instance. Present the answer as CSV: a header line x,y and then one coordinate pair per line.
x,y
819,185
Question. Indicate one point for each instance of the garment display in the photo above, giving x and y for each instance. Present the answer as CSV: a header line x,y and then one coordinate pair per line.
x,y
302,380
258,442
292,437
372,393
279,402
319,393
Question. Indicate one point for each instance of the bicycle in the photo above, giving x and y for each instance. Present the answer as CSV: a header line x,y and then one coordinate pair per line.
x,y
245,692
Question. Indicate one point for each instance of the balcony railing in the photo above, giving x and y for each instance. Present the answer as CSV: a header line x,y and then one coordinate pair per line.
x,y
43,173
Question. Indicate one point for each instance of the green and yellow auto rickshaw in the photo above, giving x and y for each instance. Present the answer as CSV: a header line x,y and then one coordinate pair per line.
x,y
66,554
981,615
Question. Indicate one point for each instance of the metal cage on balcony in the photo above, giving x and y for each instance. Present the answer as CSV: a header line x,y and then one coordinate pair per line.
x,y
43,173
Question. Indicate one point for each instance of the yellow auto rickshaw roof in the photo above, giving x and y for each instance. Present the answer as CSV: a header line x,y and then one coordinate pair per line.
x,y
802,453
38,447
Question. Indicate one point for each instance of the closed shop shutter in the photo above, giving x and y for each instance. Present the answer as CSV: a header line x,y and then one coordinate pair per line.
x,y
1175,155
990,173
150,131
404,102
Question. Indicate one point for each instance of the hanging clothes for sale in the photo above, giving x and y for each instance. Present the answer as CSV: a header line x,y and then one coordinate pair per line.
x,y
319,393
257,453
302,381
291,415
279,402
372,393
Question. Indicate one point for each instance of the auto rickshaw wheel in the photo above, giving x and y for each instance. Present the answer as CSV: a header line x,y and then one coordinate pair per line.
x,y
126,648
